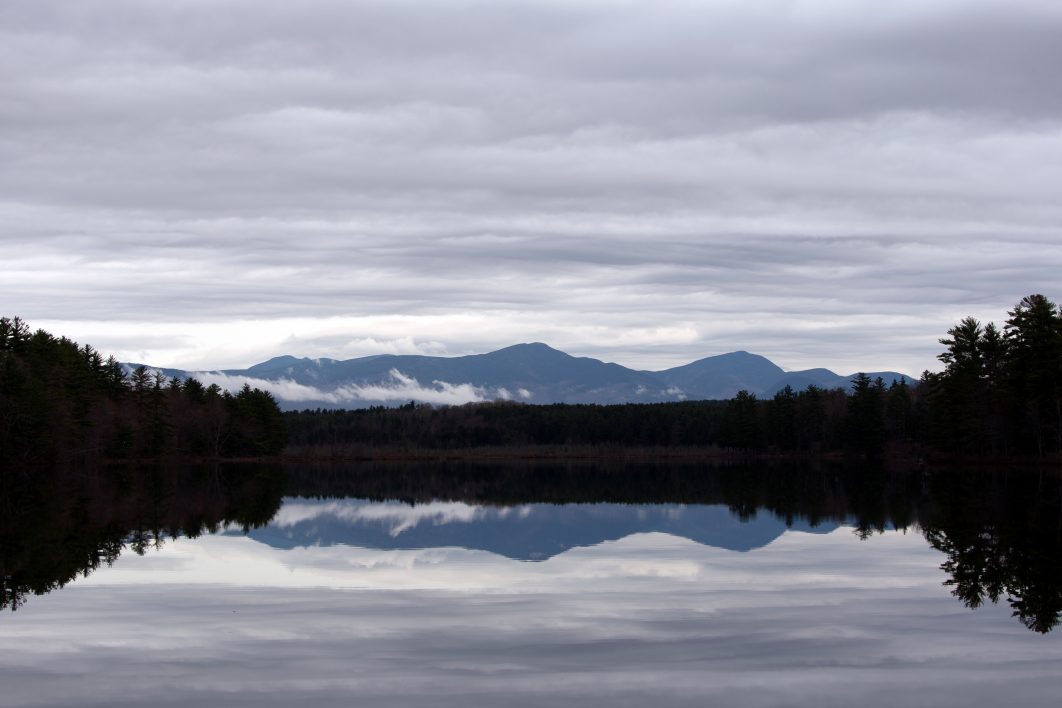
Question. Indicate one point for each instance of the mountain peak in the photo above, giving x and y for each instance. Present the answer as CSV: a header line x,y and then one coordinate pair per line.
x,y
280,363
740,357
529,349
275,362
723,375
534,346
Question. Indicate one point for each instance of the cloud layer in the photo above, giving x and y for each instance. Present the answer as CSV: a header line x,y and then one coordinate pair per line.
x,y
399,387
826,183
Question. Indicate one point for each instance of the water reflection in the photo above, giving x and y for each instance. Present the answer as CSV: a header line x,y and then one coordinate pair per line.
x,y
999,532
1000,535
57,525
530,532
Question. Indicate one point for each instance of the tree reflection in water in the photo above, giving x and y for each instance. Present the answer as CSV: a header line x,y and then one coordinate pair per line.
x,y
1000,531
57,525
1000,536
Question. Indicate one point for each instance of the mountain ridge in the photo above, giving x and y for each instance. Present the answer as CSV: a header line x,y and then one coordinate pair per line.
x,y
531,372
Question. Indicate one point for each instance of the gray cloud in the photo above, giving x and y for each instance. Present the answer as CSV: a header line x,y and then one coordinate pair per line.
x,y
829,183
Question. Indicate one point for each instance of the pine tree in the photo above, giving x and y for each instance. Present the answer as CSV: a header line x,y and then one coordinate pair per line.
x,y
1033,333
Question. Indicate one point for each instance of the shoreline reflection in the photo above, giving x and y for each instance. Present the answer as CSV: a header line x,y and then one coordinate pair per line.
x,y
999,533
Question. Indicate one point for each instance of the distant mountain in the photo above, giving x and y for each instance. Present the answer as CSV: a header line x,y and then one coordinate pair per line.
x,y
724,375
534,373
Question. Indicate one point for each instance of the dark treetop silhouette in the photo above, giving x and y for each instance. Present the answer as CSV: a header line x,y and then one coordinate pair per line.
x,y
61,402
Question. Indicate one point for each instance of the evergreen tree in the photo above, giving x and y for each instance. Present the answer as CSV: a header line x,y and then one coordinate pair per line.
x,y
961,394
782,419
742,428
866,415
61,402
1033,334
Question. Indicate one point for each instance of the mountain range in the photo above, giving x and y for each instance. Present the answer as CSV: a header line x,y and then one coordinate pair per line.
x,y
533,373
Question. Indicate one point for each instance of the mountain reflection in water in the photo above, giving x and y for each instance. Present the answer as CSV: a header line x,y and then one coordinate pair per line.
x,y
530,532
999,532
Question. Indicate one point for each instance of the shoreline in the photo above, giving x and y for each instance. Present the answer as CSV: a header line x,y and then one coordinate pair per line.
x,y
910,459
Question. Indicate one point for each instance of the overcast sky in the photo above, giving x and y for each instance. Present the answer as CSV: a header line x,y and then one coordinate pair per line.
x,y
207,183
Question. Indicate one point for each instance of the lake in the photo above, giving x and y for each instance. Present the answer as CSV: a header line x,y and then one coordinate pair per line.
x,y
456,584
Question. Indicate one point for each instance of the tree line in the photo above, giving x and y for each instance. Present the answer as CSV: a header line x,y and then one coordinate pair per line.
x,y
809,421
61,402
999,395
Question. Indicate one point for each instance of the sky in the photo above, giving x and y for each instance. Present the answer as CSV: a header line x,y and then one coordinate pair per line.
x,y
209,183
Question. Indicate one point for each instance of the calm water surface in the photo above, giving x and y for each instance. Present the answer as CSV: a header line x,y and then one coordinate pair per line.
x,y
490,585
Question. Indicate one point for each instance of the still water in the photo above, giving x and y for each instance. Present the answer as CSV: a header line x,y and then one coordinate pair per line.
x,y
456,585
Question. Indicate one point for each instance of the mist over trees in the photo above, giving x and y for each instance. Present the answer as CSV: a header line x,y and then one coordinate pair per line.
x,y
810,421
999,396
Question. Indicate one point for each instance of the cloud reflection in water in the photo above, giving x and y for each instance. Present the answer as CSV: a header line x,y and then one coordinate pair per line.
x,y
807,620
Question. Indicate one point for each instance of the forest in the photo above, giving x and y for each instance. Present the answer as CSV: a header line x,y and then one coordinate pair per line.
x,y
61,403
998,396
